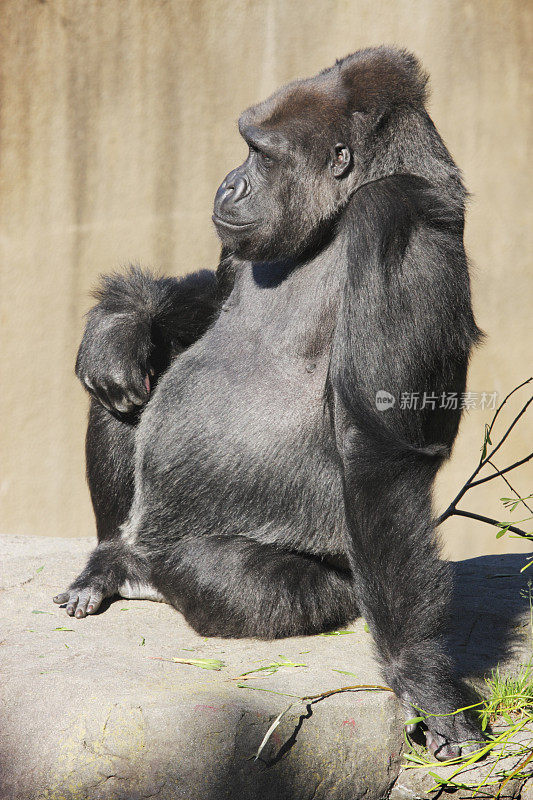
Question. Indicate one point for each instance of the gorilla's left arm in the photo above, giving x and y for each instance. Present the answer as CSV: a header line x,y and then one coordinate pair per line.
x,y
139,324
405,327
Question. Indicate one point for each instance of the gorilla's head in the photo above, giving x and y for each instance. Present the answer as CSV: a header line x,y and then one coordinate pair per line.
x,y
313,142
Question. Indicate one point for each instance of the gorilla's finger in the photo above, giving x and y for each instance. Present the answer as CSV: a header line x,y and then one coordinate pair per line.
x,y
61,598
83,602
441,748
135,399
95,601
409,712
411,727
137,393
467,748
72,603
97,392
124,405
117,399
102,398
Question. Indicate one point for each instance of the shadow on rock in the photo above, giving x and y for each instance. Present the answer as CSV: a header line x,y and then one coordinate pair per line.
x,y
490,612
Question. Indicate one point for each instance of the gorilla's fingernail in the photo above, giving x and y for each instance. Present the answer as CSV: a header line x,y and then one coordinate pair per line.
x,y
89,608
147,383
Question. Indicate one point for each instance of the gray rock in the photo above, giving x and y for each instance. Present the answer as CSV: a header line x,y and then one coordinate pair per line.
x,y
95,709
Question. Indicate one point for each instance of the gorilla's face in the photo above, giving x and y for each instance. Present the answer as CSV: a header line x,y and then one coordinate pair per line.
x,y
311,145
291,185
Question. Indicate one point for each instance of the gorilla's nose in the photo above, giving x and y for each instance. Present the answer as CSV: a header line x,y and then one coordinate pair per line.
x,y
232,189
240,187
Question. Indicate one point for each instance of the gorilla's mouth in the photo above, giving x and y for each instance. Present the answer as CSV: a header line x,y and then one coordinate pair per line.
x,y
232,225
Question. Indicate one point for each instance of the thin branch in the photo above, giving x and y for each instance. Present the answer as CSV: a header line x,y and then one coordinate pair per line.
x,y
501,471
504,402
315,698
518,495
490,521
452,508
507,432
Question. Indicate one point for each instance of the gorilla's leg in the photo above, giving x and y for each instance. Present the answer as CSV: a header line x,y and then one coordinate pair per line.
x,y
232,586
110,453
109,450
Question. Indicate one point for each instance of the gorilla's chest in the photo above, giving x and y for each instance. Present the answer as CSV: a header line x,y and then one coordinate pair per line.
x,y
262,367
271,343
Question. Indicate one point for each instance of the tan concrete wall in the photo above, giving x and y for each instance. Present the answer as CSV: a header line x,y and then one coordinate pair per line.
x,y
117,124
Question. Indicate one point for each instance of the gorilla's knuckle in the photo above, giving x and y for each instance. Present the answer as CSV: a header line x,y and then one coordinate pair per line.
x,y
123,406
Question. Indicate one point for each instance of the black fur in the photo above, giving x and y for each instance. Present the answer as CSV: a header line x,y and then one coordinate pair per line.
x,y
259,490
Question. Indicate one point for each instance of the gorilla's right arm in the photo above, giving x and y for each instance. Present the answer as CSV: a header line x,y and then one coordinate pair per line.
x,y
138,325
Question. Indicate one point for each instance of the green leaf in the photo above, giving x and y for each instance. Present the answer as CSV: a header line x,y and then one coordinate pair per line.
x,y
40,569
335,633
345,672
414,720
270,669
502,532
203,663
486,441
271,730
437,778
64,629
262,689
415,758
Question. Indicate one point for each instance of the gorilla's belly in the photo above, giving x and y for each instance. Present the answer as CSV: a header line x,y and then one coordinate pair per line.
x,y
239,429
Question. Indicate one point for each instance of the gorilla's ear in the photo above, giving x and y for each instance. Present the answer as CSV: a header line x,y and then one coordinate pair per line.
x,y
341,160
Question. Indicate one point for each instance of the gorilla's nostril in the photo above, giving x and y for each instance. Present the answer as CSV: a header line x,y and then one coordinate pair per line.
x,y
240,188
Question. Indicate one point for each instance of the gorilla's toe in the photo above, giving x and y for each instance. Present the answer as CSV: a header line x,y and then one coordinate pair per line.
x,y
80,602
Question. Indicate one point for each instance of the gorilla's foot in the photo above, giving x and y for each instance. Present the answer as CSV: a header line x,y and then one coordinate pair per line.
x,y
447,736
111,567
80,601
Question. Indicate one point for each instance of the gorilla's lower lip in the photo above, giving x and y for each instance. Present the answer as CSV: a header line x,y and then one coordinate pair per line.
x,y
232,225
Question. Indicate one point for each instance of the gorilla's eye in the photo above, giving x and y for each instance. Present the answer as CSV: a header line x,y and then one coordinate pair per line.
x,y
264,158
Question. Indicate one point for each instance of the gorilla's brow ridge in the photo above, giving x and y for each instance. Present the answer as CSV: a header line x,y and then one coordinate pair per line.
x,y
270,141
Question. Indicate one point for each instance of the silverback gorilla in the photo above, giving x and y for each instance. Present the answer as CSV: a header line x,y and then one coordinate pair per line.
x,y
238,465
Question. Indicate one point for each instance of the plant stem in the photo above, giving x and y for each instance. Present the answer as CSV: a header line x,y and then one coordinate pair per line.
x,y
501,471
452,508
489,521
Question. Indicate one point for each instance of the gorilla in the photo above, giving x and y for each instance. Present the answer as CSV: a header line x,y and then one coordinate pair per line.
x,y
240,465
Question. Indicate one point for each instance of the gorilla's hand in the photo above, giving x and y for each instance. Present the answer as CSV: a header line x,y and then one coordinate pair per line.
x,y
113,360
447,735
